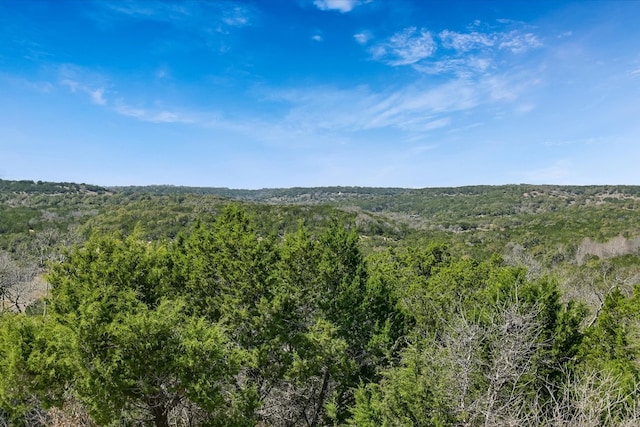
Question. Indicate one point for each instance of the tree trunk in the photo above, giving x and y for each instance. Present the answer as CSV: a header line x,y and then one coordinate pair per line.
x,y
321,397
160,415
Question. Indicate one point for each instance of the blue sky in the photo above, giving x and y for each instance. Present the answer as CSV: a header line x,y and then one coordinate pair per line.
x,y
283,93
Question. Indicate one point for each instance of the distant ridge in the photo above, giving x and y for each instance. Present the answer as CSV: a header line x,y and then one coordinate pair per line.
x,y
328,194
43,187
337,194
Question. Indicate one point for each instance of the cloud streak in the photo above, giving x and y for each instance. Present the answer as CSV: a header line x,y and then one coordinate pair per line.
x,y
519,43
342,6
465,42
230,13
314,113
79,80
152,116
362,38
416,108
95,92
206,22
449,52
405,48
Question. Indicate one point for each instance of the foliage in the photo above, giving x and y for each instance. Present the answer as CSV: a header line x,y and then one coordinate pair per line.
x,y
326,306
485,344
136,348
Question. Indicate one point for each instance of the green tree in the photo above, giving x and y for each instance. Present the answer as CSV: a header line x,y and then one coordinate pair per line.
x,y
611,344
138,351
225,271
487,348
34,372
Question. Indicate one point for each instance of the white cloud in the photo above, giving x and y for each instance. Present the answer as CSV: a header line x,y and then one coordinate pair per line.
x,y
39,86
518,43
509,87
150,9
80,80
235,16
162,73
209,20
96,94
71,84
466,55
153,116
342,6
466,42
412,109
362,38
317,38
406,47
460,66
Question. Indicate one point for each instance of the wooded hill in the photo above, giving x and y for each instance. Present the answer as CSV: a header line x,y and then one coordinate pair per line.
x,y
163,305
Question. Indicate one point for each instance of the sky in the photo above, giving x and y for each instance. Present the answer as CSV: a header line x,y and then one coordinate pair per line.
x,y
302,93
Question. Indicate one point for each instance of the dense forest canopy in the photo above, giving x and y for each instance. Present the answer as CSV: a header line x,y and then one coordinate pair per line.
x,y
505,305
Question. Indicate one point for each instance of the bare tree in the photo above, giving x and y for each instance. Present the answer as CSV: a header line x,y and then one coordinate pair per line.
x,y
593,399
488,365
15,283
514,341
461,362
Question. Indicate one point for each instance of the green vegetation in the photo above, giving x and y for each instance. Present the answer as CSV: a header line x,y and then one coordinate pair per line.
x,y
166,306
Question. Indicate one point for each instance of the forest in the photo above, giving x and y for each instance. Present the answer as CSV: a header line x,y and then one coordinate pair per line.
x,y
336,306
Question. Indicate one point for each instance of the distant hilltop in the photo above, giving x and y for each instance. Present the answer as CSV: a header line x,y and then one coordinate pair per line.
x,y
343,194
42,187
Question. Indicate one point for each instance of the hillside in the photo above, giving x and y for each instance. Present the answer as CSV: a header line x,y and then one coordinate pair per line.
x,y
550,229
487,218
161,305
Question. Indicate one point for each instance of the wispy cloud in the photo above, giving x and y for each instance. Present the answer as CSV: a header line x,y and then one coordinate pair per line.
x,y
38,86
466,42
462,53
418,108
97,96
501,88
317,38
94,86
78,80
406,47
518,43
363,37
208,20
415,108
151,115
462,67
229,12
341,6
237,16
150,9
421,108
